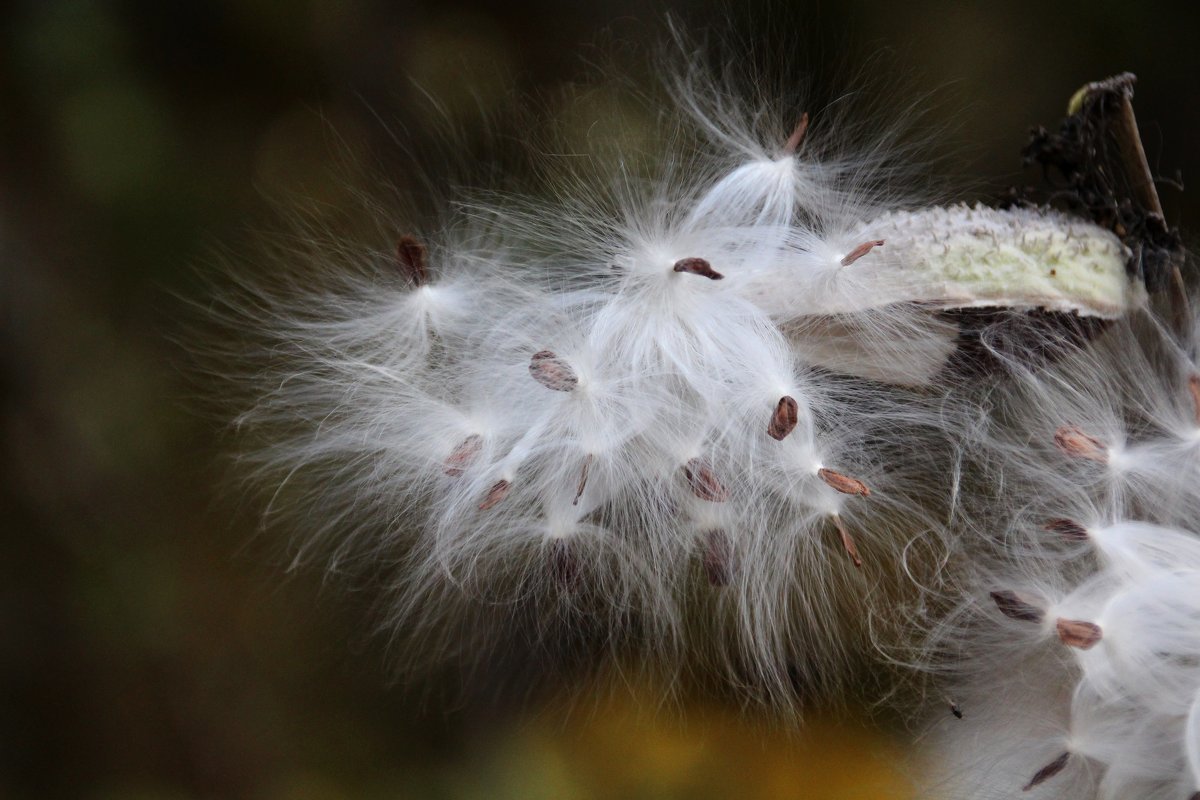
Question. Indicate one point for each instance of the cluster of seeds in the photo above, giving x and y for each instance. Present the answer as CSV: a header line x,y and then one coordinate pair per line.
x,y
717,422
1083,659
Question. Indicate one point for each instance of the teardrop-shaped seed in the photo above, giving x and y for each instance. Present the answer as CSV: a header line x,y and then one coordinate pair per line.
x,y
843,483
1077,444
411,258
1049,771
704,483
1014,606
564,564
583,476
697,266
1069,529
552,372
1194,390
847,541
860,251
1077,633
783,421
718,558
462,456
497,493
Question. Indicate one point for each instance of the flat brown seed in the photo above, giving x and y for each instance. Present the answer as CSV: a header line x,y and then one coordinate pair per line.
x,y
1077,444
1012,606
718,558
697,266
1049,771
1069,529
847,541
956,710
843,483
797,138
860,251
783,421
583,476
1077,633
411,257
704,483
564,565
497,493
462,456
1194,388
552,372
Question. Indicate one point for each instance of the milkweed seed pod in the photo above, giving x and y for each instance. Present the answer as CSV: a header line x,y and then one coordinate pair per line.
x,y
718,411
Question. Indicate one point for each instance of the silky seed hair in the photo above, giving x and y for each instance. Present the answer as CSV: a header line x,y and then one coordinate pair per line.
x,y
586,401
1073,654
732,406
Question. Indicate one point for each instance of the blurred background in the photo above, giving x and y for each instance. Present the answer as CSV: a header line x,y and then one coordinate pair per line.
x,y
150,645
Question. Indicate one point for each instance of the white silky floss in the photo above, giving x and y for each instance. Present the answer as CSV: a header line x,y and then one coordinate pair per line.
x,y
709,424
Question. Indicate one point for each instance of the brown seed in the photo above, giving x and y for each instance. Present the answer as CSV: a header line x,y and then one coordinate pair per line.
x,y
843,483
704,483
1012,606
462,456
1079,634
1069,529
411,257
783,421
956,710
1049,771
1077,444
847,541
797,138
497,493
718,558
583,476
552,372
860,251
1194,388
697,266
564,565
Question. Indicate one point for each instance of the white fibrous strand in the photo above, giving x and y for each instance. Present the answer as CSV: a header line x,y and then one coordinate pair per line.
x,y
742,413
1081,669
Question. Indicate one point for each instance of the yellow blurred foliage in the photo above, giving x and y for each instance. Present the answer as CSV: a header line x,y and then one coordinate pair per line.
x,y
628,747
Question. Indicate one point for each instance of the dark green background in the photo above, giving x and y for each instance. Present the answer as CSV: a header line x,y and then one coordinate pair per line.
x,y
150,645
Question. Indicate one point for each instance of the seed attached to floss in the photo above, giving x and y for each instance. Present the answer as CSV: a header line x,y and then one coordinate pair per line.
x,y
704,483
564,565
463,456
847,541
552,372
860,251
1194,388
583,476
797,138
718,558
1077,444
697,266
1068,529
1049,771
783,421
497,493
956,710
1012,606
843,483
411,258
1078,634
